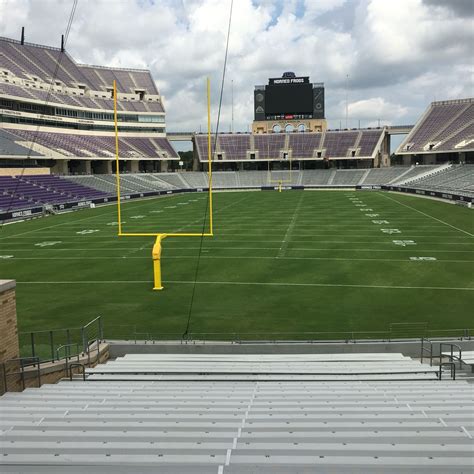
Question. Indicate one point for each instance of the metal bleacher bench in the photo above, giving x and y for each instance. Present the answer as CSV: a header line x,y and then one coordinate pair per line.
x,y
160,413
463,357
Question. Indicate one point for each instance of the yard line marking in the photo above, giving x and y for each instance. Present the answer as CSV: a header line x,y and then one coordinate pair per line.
x,y
243,283
47,244
298,249
108,209
427,215
215,212
228,257
289,230
50,226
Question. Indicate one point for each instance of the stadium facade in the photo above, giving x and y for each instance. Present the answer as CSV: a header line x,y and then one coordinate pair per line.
x,y
57,120
58,114
444,133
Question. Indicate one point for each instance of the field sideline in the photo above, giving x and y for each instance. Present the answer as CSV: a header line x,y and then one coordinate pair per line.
x,y
291,262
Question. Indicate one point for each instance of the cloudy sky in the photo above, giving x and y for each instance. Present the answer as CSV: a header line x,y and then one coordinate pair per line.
x,y
394,56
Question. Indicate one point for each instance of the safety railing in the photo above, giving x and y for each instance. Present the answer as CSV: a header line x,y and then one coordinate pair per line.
x,y
408,330
453,348
452,366
67,351
131,333
45,344
76,364
426,342
92,335
22,363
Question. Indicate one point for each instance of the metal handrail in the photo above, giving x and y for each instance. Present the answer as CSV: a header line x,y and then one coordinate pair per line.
x,y
35,362
68,351
453,369
451,355
100,335
66,335
426,349
277,337
77,364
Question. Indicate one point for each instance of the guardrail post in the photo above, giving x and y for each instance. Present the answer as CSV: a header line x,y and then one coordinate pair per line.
x,y
22,374
38,373
5,382
84,342
32,344
101,329
51,343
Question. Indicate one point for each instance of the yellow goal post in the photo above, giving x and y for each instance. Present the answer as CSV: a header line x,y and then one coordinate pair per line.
x,y
289,171
156,252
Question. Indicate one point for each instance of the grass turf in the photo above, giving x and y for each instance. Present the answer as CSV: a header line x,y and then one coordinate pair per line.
x,y
289,263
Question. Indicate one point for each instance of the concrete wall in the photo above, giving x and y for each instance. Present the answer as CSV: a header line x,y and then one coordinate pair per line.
x,y
23,171
60,167
9,346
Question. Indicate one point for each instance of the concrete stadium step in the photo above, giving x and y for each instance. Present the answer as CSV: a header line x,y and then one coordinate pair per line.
x,y
239,448
245,364
304,367
446,436
448,463
230,417
262,371
237,421
224,424
231,469
263,377
346,357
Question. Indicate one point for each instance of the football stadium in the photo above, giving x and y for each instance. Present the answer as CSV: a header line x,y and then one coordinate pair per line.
x,y
296,297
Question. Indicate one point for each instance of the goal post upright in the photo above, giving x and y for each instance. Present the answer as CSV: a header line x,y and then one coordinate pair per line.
x,y
160,236
280,181
117,166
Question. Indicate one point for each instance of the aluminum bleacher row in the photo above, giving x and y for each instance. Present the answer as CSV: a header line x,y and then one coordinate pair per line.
x,y
91,146
334,144
383,413
22,62
445,126
29,190
455,179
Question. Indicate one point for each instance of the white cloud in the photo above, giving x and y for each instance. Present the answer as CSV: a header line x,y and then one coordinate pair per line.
x,y
399,55
376,107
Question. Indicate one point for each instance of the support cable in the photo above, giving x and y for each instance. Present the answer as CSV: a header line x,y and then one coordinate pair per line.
x,y
196,273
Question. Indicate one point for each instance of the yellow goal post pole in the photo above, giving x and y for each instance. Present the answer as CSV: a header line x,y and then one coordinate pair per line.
x,y
117,166
157,247
156,254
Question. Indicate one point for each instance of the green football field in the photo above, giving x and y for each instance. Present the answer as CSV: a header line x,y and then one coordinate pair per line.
x,y
279,265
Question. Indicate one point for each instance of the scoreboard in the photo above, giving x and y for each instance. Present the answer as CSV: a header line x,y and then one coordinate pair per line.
x,y
289,97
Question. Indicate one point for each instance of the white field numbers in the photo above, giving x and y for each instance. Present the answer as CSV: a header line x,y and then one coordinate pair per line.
x,y
48,244
87,231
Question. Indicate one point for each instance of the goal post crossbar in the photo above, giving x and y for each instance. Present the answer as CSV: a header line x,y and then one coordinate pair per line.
x,y
279,181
